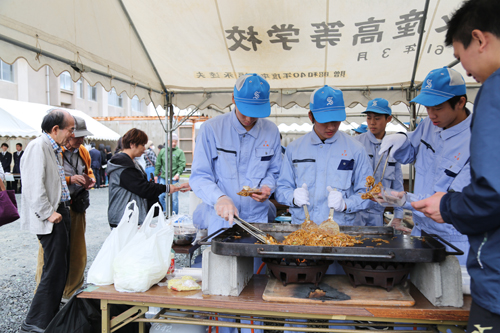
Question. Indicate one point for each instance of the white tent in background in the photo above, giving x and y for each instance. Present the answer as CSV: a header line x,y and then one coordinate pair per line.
x,y
23,119
11,126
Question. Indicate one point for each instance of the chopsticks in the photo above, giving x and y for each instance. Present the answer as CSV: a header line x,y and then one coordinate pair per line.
x,y
254,231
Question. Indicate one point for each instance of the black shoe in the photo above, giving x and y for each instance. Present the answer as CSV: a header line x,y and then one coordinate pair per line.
x,y
26,328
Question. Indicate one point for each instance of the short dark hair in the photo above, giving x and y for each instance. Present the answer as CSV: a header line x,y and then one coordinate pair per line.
x,y
134,136
455,99
19,144
55,117
474,14
6,145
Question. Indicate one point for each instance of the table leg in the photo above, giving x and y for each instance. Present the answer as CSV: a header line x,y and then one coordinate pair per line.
x,y
105,320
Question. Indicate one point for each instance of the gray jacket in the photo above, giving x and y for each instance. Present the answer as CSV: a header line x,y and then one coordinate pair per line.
x,y
42,186
127,182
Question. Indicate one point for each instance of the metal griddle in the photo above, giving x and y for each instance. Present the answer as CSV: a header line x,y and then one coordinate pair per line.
x,y
235,241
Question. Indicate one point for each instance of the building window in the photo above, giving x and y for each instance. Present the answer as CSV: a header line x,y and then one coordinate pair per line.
x,y
92,92
6,72
136,104
115,99
79,88
66,81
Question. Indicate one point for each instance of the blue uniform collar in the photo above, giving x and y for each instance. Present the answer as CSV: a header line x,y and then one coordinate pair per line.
x,y
372,138
254,132
315,140
457,129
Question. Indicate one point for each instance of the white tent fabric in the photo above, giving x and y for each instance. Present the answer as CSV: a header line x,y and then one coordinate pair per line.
x,y
28,118
197,48
12,126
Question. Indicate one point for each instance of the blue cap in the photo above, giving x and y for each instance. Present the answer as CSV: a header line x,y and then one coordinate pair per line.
x,y
251,95
361,129
327,104
439,86
378,105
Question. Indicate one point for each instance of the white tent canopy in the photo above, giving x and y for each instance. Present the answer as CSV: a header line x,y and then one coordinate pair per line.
x,y
195,49
23,119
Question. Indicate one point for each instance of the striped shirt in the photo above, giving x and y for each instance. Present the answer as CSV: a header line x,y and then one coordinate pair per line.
x,y
58,151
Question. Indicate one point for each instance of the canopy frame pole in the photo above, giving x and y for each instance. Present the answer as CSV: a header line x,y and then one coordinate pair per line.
x,y
191,113
412,90
79,67
399,121
142,44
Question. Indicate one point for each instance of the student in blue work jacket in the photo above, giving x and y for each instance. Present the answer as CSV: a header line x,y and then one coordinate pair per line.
x,y
325,168
378,115
439,146
238,149
475,34
234,150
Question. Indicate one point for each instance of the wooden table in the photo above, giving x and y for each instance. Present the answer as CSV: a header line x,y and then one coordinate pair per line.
x,y
250,303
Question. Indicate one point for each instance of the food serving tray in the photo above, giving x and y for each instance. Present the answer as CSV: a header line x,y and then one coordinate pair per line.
x,y
235,241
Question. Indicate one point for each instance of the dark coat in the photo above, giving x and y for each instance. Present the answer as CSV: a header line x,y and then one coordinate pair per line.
x,y
17,162
6,160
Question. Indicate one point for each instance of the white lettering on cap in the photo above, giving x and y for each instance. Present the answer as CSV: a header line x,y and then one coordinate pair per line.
x,y
330,101
256,95
429,84
374,103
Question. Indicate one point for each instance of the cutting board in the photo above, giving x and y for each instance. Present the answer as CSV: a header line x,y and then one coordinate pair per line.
x,y
339,291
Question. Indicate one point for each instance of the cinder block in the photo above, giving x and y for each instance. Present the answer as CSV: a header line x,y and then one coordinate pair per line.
x,y
440,283
225,275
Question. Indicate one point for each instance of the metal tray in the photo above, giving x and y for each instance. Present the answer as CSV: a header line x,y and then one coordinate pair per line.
x,y
401,248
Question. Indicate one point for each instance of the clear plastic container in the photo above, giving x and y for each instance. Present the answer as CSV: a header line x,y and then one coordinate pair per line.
x,y
391,198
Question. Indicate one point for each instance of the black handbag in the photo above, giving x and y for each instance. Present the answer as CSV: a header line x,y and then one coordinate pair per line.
x,y
80,201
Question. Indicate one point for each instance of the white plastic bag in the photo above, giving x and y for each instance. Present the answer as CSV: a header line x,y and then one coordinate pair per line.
x,y
146,258
101,271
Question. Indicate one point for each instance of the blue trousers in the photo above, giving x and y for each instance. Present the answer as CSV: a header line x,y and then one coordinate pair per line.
x,y
175,197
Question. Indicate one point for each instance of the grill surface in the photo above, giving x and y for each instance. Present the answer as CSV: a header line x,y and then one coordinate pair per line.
x,y
399,248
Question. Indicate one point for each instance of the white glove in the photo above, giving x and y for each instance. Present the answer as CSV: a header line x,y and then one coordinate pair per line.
x,y
301,195
226,209
335,200
395,141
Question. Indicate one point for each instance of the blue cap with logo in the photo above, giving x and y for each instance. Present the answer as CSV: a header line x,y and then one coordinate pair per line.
x,y
361,129
327,104
439,86
251,95
378,105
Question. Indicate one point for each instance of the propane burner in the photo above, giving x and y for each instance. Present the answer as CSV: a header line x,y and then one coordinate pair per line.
x,y
382,274
297,270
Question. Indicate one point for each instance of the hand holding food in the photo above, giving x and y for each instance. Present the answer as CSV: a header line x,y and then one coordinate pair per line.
x,y
301,196
248,191
263,195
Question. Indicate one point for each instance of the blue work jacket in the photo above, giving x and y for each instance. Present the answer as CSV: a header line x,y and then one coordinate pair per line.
x,y
476,211
393,178
228,157
441,165
339,162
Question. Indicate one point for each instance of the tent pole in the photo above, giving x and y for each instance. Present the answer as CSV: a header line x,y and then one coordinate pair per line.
x,y
142,44
170,156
